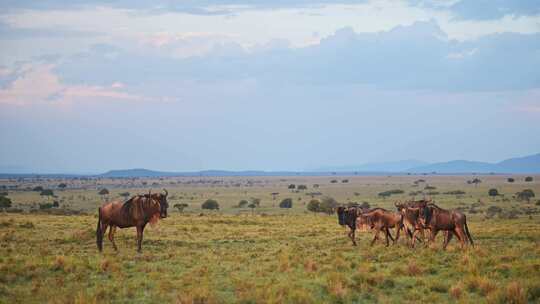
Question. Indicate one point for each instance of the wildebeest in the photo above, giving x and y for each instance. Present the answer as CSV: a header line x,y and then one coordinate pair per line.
x,y
451,221
382,220
411,219
136,212
347,216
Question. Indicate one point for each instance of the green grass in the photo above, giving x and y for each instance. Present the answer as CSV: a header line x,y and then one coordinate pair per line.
x,y
273,256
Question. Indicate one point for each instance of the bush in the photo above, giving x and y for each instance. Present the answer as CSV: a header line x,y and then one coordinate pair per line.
x,y
5,202
510,180
181,207
37,189
345,181
493,192
386,194
62,185
301,187
103,191
333,181
492,211
365,205
428,187
45,206
314,205
455,192
292,186
210,204
525,195
328,205
243,203
528,179
286,203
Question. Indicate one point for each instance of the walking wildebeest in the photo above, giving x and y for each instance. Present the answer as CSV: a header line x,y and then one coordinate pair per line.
x,y
383,220
347,217
411,221
451,221
136,212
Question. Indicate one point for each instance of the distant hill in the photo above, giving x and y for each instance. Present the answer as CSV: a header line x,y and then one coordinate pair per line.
x,y
393,166
527,164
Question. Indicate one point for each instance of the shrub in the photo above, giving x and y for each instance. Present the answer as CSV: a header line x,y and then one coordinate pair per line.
x,y
510,180
286,203
365,205
62,185
37,189
45,206
525,195
455,192
328,205
301,187
243,203
103,191
492,211
386,194
493,192
333,181
181,207
314,205
428,187
292,186
528,179
5,202
46,192
210,204
345,181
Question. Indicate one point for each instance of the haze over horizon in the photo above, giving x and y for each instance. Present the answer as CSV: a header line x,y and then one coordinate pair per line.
x,y
89,86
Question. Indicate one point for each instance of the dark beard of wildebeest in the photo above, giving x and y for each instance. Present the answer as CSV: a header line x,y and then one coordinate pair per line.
x,y
451,221
136,212
382,220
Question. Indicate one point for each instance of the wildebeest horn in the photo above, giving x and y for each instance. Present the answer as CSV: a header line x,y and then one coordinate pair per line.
x,y
166,192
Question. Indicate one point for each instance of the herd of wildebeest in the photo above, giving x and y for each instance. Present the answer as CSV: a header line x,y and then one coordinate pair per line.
x,y
413,217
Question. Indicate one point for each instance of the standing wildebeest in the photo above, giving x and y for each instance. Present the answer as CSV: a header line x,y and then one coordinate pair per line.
x,y
450,221
383,220
137,211
348,216
411,219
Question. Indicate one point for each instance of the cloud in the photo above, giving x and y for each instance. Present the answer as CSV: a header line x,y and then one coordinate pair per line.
x,y
38,84
415,57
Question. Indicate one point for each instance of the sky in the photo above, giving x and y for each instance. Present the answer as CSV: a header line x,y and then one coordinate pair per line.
x,y
92,85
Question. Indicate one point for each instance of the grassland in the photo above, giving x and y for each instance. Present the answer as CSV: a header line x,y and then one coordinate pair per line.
x,y
272,255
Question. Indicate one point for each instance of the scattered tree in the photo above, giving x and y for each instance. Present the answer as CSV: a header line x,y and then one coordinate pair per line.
x,y
181,207
365,205
291,187
243,203
493,192
328,205
302,187
333,181
255,201
125,195
525,195
103,192
510,180
274,195
37,188
47,192
5,202
475,181
210,204
388,193
62,186
315,186
286,203
528,179
345,181
314,205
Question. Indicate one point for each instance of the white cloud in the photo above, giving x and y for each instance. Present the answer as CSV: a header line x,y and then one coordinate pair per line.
x,y
38,84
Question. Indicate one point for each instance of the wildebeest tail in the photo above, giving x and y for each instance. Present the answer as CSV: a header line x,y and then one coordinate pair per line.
x,y
468,234
99,233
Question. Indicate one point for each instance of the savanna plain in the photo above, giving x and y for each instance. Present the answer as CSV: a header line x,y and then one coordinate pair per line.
x,y
257,252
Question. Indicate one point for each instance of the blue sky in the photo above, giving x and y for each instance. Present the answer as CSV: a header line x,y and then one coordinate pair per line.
x,y
87,86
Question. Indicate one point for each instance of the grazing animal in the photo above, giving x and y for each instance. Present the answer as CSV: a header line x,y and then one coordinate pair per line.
x,y
383,220
453,222
348,217
136,212
411,221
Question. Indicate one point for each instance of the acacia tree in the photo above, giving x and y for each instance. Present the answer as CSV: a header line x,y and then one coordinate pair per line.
x,y
493,192
286,203
47,192
103,192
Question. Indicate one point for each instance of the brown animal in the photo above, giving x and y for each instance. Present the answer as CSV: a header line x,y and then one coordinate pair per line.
x,y
411,221
383,220
453,222
136,212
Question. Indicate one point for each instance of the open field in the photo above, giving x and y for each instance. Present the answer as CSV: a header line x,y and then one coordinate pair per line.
x,y
273,255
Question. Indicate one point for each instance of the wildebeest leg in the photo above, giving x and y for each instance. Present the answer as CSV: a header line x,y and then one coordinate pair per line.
x,y
140,230
112,230
377,231
447,237
432,237
414,237
461,236
398,230
352,235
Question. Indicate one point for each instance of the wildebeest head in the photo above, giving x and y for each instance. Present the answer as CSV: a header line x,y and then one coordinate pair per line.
x,y
163,204
341,215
